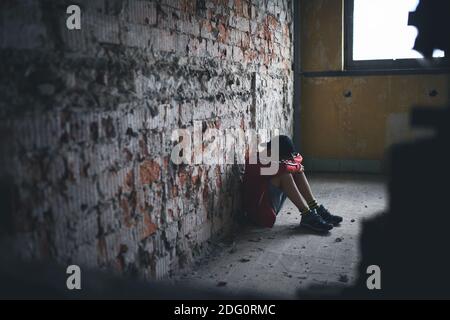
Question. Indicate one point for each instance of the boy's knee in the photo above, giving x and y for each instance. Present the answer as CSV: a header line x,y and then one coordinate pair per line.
x,y
279,179
276,181
286,176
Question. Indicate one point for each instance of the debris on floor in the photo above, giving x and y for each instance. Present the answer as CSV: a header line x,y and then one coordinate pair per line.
x,y
267,260
343,278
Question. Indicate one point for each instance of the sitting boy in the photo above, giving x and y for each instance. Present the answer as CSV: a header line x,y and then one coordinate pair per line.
x,y
264,194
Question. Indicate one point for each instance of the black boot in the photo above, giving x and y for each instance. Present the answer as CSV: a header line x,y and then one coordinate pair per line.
x,y
313,221
327,216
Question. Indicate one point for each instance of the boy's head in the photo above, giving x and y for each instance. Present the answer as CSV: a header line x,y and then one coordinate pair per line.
x,y
285,146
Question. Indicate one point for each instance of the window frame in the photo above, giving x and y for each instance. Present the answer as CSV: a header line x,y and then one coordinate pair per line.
x,y
386,65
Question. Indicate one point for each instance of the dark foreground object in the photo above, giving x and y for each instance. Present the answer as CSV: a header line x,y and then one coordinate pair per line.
x,y
410,242
20,280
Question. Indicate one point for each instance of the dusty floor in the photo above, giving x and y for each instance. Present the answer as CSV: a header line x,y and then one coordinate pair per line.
x,y
286,258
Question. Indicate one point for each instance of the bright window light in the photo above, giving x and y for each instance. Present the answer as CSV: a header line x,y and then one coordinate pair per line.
x,y
381,31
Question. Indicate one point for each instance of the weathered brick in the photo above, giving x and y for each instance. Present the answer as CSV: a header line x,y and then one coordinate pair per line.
x,y
188,25
240,23
208,30
149,171
142,12
89,141
104,29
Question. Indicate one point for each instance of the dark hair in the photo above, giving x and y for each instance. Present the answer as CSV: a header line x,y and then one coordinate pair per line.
x,y
286,147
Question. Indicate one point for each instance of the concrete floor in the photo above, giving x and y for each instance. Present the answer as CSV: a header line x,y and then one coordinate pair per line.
x,y
286,258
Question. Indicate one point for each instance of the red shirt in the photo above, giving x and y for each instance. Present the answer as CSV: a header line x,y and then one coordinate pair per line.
x,y
257,202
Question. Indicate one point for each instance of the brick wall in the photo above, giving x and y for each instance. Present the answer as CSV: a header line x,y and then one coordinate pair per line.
x,y
86,118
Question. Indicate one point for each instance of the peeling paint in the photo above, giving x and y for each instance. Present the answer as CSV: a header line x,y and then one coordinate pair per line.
x,y
89,125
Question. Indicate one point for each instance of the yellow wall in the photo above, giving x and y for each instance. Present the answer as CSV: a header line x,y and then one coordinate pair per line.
x,y
361,126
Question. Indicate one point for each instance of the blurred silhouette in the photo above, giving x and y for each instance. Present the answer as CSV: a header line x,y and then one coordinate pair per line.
x,y
410,241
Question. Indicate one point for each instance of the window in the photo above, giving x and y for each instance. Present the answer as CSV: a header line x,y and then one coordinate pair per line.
x,y
378,37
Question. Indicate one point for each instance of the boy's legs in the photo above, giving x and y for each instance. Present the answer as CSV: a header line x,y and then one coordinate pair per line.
x,y
303,186
310,218
286,183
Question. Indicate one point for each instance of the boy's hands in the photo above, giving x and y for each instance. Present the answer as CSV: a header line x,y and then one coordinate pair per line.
x,y
292,163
